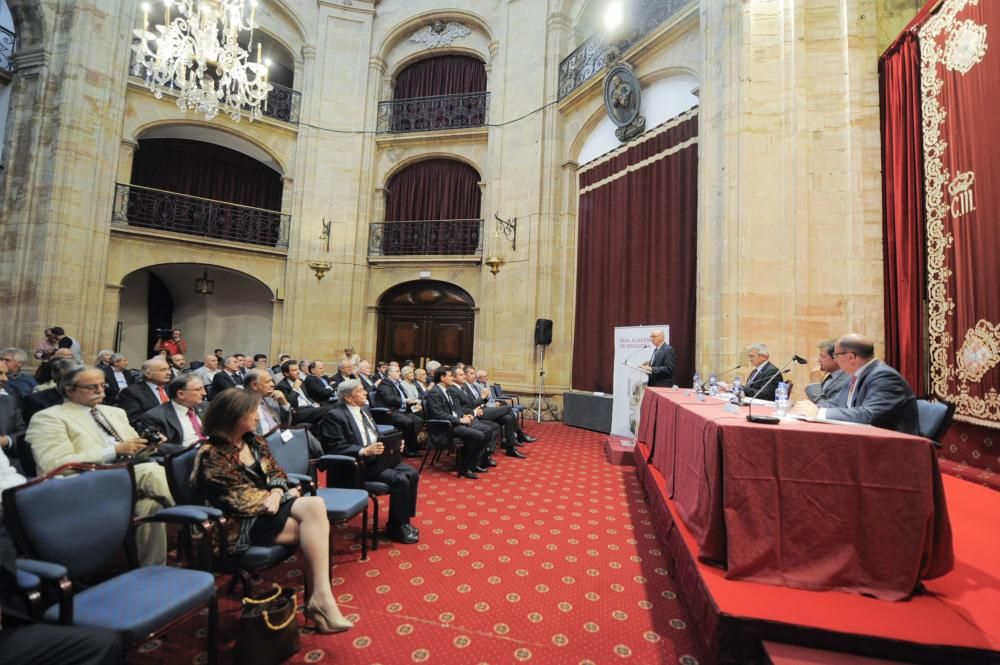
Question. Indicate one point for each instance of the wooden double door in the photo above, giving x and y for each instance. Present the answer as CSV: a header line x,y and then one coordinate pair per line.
x,y
426,320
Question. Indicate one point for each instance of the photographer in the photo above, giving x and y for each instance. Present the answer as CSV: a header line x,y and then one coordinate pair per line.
x,y
170,340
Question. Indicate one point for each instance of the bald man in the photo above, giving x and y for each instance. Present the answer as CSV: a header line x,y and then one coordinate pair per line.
x,y
662,363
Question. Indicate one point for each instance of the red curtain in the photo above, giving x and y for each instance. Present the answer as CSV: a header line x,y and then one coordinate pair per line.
x,y
433,189
903,210
203,169
442,75
637,248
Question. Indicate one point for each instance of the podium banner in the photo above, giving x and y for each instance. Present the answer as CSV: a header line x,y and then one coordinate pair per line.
x,y
632,346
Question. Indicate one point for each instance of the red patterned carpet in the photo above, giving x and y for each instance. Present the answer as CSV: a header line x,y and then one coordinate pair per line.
x,y
551,559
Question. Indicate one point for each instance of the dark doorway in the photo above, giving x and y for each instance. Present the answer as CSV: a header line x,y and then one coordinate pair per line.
x,y
426,320
161,311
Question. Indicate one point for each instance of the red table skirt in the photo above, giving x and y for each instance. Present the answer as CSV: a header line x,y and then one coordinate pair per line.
x,y
800,504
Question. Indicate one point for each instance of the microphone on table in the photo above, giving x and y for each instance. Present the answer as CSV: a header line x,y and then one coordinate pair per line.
x,y
728,371
772,420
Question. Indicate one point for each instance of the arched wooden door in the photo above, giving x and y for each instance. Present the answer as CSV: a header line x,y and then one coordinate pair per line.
x,y
426,320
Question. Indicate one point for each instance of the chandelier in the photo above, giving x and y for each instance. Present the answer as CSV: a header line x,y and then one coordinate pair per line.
x,y
199,56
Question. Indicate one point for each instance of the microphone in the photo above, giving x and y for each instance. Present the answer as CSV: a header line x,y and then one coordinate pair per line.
x,y
728,371
772,420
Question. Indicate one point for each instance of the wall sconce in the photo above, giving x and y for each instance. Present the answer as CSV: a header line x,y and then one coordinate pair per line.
x,y
495,262
204,285
320,268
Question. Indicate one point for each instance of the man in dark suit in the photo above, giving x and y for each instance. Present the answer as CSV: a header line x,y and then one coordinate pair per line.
x,y
875,395
229,377
440,405
43,399
317,387
345,371
662,362
348,429
365,376
116,378
503,416
11,421
826,391
390,395
140,397
304,409
759,384
179,420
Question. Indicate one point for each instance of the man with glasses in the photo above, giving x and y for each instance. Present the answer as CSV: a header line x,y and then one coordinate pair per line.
x,y
758,384
825,392
82,429
179,420
17,381
662,362
876,394
149,393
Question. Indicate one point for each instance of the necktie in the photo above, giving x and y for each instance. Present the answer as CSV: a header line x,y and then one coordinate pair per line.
x,y
402,395
451,405
195,423
752,375
850,390
266,419
105,426
369,428
162,393
652,357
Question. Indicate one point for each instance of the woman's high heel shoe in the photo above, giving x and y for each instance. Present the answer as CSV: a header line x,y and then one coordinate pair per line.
x,y
325,623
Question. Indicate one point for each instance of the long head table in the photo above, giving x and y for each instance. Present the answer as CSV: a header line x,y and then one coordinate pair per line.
x,y
801,504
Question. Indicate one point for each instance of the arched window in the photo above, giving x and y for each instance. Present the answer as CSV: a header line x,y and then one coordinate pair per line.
x,y
441,75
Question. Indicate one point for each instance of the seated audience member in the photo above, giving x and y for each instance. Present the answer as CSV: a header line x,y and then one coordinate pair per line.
x,y
116,378
345,371
179,420
236,472
483,379
25,642
763,370
248,364
17,381
178,365
228,377
431,369
11,420
406,378
440,405
9,477
259,361
825,392
208,370
47,346
875,395
43,399
274,410
218,355
304,409
348,429
151,391
172,345
472,376
103,358
420,381
364,375
318,388
82,429
502,417
390,394
276,369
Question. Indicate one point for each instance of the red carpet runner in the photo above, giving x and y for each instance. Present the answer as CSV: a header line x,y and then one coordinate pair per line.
x,y
551,559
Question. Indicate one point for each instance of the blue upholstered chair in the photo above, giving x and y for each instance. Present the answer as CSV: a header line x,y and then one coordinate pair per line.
x,y
934,418
511,400
380,414
80,522
256,558
342,505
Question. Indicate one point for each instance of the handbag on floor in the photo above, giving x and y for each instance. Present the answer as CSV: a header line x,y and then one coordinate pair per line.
x,y
268,629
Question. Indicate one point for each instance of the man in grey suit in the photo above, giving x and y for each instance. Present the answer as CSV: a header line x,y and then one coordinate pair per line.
x,y
875,395
11,422
274,409
825,392
662,363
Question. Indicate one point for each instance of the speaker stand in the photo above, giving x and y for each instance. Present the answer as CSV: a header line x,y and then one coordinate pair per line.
x,y
540,405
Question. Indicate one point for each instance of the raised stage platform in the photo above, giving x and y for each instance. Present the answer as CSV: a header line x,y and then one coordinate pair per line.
x,y
955,620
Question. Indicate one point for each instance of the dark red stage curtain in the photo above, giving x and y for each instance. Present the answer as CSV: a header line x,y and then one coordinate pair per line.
x,y
637,249
203,169
442,75
903,209
959,74
433,189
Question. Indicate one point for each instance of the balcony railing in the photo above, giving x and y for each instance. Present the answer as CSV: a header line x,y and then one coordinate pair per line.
x,y
6,50
446,237
149,208
282,103
589,58
424,114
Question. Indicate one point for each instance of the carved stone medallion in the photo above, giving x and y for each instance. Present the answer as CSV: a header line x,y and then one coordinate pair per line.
x,y
440,34
622,98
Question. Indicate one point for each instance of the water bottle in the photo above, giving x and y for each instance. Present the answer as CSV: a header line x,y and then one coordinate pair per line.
x,y
713,387
737,389
781,403
696,381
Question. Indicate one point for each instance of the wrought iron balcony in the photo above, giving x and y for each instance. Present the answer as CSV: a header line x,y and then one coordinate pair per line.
x,y
589,58
424,114
446,237
6,50
282,103
149,208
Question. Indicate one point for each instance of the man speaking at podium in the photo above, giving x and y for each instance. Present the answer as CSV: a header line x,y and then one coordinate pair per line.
x,y
661,364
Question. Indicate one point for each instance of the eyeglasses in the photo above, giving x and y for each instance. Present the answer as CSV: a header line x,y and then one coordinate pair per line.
x,y
840,353
90,387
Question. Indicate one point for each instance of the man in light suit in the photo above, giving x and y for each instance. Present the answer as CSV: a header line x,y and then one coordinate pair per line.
x,y
348,429
825,392
82,429
876,394
662,363
140,397
179,420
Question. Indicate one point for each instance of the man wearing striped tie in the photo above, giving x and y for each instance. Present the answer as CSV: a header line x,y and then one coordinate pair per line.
x,y
274,409
179,420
